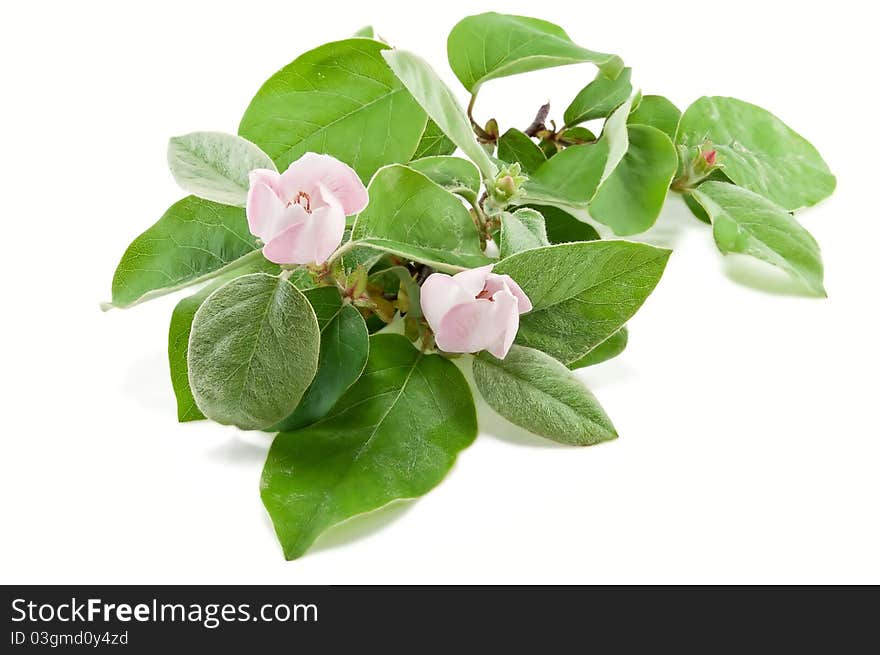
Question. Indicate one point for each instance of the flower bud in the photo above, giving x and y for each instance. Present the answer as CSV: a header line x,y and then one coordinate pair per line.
x,y
492,128
695,165
505,188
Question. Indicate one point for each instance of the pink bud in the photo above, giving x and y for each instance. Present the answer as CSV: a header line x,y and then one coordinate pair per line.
x,y
474,310
710,156
300,213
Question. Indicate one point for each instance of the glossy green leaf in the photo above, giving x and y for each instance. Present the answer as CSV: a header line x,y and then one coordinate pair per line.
x,y
253,351
178,344
433,142
608,349
616,135
549,148
394,434
454,174
581,293
747,223
344,348
366,32
536,392
758,151
562,227
657,112
178,336
360,256
215,166
599,98
522,230
569,179
413,217
491,45
696,208
194,241
341,99
630,200
515,146
578,134
438,101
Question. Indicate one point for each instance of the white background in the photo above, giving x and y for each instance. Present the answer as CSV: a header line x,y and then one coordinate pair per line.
x,y
749,447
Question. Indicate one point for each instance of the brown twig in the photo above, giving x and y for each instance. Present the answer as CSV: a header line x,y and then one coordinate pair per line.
x,y
482,134
538,124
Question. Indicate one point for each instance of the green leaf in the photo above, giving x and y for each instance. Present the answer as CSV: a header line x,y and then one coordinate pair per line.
x,y
253,351
758,151
522,230
536,392
599,98
344,348
516,147
433,142
578,133
366,32
581,293
616,135
215,166
747,223
630,200
696,208
454,174
608,349
657,112
549,147
442,107
569,179
179,330
178,343
413,217
488,46
394,434
341,99
562,227
360,256
194,241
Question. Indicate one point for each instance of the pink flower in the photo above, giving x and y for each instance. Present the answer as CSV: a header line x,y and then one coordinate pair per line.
x,y
710,156
300,213
474,310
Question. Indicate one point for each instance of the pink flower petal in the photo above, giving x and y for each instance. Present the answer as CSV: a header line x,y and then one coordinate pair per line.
x,y
462,322
507,317
473,280
307,238
292,215
497,282
270,178
311,170
439,294
264,209
468,327
288,247
327,227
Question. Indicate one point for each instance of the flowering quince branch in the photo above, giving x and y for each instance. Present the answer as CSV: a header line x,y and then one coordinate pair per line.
x,y
358,279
